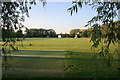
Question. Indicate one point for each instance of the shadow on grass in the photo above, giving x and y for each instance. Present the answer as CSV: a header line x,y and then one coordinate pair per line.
x,y
74,65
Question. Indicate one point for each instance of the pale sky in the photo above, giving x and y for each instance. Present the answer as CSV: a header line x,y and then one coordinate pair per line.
x,y
55,16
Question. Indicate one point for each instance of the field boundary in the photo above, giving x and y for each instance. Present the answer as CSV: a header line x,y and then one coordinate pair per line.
x,y
37,50
39,56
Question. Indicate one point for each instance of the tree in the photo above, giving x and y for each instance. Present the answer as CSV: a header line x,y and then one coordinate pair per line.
x,y
51,33
106,12
19,34
74,32
11,17
85,33
66,35
40,33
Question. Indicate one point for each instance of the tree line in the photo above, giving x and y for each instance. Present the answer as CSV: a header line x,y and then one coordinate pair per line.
x,y
80,32
40,33
29,33
101,30
86,33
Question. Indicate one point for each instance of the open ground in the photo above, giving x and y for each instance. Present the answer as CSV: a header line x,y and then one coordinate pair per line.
x,y
59,58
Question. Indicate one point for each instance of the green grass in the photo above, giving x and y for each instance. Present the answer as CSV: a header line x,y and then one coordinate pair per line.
x,y
85,67
79,65
35,52
36,63
57,44
27,66
67,44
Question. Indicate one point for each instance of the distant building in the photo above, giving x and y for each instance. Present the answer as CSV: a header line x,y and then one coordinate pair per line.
x,y
59,36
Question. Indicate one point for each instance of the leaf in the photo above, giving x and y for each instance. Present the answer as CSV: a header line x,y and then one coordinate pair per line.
x,y
80,4
69,9
113,42
13,47
71,12
76,8
109,42
86,25
30,7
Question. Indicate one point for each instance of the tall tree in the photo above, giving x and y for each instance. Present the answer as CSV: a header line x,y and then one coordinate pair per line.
x,y
74,32
106,14
85,33
12,14
19,34
40,33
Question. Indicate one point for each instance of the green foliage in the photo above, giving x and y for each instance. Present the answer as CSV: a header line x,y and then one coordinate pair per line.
x,y
96,35
106,12
11,19
19,34
12,14
81,33
74,32
85,34
68,54
40,33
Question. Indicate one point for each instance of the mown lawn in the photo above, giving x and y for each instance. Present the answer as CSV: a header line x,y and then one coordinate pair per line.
x,y
77,65
81,65
67,44
57,44
33,64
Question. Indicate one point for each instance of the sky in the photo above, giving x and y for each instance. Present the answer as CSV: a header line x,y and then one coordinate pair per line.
x,y
54,15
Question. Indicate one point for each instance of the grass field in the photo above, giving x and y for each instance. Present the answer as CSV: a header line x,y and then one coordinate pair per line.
x,y
67,44
84,67
50,56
